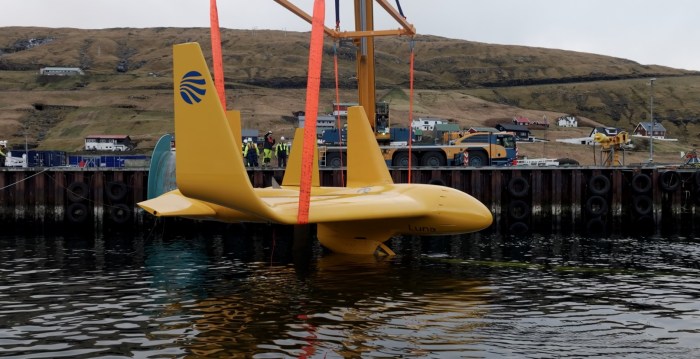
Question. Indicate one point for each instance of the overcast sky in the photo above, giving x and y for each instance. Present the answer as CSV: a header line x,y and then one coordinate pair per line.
x,y
646,31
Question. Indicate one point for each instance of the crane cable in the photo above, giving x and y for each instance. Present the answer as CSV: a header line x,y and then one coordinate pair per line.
x,y
337,110
311,110
398,6
410,107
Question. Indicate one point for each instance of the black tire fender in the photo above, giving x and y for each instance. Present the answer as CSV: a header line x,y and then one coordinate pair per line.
x,y
335,159
518,186
518,209
670,181
595,226
597,206
518,228
77,212
116,190
599,185
120,213
641,183
77,191
642,204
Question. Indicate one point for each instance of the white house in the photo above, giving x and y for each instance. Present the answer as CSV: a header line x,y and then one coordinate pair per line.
x,y
108,143
61,71
428,123
567,121
341,108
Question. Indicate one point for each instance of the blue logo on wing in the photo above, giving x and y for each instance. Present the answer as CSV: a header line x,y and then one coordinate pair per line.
x,y
192,87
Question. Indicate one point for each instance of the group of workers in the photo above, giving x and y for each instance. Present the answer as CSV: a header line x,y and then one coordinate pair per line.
x,y
251,152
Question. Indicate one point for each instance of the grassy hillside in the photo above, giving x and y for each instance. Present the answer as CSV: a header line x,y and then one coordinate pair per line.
x,y
127,86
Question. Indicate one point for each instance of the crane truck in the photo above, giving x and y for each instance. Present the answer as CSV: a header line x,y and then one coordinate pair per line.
x,y
481,148
474,149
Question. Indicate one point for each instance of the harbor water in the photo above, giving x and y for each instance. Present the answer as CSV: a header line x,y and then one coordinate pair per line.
x,y
242,292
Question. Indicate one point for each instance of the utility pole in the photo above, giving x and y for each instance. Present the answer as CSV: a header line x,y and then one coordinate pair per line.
x,y
651,110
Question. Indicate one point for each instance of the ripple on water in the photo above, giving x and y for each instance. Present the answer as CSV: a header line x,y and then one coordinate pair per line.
x,y
197,297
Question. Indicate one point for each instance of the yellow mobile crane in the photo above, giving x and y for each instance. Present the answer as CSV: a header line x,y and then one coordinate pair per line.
x,y
363,39
483,149
611,146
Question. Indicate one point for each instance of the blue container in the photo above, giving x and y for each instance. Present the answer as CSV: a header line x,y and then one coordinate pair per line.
x,y
46,158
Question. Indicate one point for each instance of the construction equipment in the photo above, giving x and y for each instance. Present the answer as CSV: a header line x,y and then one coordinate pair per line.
x,y
611,147
480,149
363,40
691,159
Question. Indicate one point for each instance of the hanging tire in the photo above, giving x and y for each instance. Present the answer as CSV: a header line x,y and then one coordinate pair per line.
x,y
641,183
597,206
518,228
116,190
599,185
670,181
518,210
77,212
77,191
595,226
518,187
437,182
642,205
335,160
120,213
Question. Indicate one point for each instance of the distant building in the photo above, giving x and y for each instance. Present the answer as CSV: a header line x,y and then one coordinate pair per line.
x,y
567,121
250,133
520,120
323,122
108,143
61,71
644,128
341,108
608,131
427,123
521,133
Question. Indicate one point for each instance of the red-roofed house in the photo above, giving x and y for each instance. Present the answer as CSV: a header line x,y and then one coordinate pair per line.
x,y
520,120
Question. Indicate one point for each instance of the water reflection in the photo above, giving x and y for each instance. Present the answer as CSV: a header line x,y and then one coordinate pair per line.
x,y
348,306
250,292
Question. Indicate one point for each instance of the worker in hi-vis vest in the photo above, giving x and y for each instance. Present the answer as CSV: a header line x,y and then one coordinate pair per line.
x,y
251,153
282,152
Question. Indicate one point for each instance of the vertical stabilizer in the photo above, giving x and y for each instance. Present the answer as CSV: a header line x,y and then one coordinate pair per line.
x,y
209,161
292,174
366,166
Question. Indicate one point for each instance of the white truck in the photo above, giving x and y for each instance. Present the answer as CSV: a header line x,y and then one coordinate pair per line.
x,y
10,161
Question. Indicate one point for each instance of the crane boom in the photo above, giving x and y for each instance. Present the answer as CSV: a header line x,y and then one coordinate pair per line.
x,y
363,39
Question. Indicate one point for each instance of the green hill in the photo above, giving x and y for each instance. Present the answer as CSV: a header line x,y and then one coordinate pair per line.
x,y
127,87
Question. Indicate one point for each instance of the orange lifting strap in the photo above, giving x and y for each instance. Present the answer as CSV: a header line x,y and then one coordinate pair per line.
x,y
312,91
216,55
